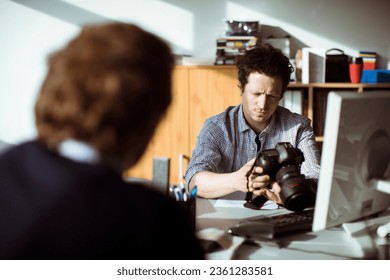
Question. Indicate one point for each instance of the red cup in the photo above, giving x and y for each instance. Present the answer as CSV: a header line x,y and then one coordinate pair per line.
x,y
355,70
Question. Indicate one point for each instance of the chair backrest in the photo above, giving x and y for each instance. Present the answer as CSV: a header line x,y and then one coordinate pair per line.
x,y
161,173
160,180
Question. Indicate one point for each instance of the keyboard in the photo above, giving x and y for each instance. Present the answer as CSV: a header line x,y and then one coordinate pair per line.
x,y
270,227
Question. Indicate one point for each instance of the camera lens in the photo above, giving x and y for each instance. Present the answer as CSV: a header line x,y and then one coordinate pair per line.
x,y
299,201
295,193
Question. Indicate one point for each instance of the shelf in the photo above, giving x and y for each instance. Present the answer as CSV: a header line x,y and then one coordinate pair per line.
x,y
339,85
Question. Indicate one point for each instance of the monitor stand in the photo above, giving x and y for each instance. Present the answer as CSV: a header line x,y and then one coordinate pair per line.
x,y
370,232
383,186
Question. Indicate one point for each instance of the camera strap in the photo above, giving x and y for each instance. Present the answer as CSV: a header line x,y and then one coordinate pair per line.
x,y
258,201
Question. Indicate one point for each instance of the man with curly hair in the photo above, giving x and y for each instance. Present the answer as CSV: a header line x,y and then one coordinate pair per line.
x,y
227,144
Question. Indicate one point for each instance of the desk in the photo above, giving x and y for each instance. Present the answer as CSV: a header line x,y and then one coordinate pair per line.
x,y
333,243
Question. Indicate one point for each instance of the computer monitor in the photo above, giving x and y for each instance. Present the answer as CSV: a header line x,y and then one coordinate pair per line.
x,y
355,169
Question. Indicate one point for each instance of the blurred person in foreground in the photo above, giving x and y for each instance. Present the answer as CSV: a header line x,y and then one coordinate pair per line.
x,y
62,195
222,161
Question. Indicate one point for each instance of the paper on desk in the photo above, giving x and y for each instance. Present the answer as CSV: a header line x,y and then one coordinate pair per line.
x,y
269,205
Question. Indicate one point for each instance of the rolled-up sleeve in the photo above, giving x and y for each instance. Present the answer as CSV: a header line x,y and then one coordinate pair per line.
x,y
206,155
307,143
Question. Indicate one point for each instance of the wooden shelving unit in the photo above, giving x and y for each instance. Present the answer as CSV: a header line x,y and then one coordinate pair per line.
x,y
316,94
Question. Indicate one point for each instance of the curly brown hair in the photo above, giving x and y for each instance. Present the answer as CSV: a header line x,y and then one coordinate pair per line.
x,y
264,59
109,87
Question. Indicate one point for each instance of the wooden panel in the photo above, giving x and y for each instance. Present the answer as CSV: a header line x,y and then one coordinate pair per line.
x,y
212,90
171,137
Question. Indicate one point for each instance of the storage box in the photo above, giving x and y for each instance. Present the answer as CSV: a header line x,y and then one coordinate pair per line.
x,y
376,76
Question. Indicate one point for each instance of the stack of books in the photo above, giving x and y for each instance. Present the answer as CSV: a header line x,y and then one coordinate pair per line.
x,y
229,47
369,59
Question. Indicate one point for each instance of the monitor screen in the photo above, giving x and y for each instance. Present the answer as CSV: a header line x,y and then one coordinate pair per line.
x,y
355,157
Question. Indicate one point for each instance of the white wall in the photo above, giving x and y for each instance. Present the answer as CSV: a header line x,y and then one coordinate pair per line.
x,y
31,29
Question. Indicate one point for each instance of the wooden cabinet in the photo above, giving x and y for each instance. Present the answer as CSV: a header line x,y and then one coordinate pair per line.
x,y
212,89
172,135
202,91
315,99
198,93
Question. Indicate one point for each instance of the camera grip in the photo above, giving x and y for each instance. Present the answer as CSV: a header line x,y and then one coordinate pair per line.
x,y
256,203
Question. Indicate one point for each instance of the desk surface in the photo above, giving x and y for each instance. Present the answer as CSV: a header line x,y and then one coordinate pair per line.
x,y
333,243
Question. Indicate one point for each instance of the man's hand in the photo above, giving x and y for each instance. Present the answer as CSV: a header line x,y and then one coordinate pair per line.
x,y
242,174
260,185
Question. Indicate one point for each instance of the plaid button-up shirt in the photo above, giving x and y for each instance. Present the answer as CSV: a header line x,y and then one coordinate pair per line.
x,y
226,142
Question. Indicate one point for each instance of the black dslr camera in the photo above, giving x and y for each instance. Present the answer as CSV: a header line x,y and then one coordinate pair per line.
x,y
283,165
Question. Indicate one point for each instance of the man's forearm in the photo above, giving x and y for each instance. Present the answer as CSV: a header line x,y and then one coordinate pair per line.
x,y
213,185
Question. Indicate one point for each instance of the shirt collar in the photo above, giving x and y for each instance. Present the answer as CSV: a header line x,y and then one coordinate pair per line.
x,y
83,152
78,151
243,125
271,127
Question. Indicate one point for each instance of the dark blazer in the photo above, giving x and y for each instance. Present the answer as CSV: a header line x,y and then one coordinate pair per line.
x,y
55,208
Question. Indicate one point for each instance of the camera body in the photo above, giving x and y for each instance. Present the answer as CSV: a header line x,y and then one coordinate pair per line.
x,y
283,165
